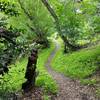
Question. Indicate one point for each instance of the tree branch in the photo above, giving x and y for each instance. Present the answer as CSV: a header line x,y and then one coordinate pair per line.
x,y
27,14
58,26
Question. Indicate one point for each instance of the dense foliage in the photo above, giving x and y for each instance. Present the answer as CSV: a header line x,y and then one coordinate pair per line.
x,y
8,36
28,24
74,20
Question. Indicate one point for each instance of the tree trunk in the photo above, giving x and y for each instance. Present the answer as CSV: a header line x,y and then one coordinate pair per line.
x,y
53,14
30,74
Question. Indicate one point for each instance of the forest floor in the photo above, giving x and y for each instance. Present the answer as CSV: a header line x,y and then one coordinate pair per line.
x,y
69,89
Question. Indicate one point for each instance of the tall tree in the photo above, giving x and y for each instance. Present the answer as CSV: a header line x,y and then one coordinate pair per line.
x,y
40,24
59,27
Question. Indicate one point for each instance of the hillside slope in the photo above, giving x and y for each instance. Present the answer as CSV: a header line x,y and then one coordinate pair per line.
x,y
83,65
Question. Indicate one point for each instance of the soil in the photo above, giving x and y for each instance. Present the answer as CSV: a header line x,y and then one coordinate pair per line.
x,y
35,94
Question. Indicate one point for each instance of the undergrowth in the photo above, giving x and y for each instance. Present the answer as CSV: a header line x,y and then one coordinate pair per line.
x,y
12,81
45,80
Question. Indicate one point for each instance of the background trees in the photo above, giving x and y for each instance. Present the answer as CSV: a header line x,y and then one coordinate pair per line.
x,y
74,19
40,22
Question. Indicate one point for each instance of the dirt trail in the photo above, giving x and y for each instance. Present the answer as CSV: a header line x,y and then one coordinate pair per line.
x,y
68,89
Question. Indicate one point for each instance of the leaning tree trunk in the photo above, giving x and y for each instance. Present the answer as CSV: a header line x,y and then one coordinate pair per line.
x,y
30,74
58,26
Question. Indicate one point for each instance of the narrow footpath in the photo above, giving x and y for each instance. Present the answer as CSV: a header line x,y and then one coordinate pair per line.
x,y
69,89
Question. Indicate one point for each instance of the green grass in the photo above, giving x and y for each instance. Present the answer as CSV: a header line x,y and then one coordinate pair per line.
x,y
79,64
45,80
46,97
12,82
